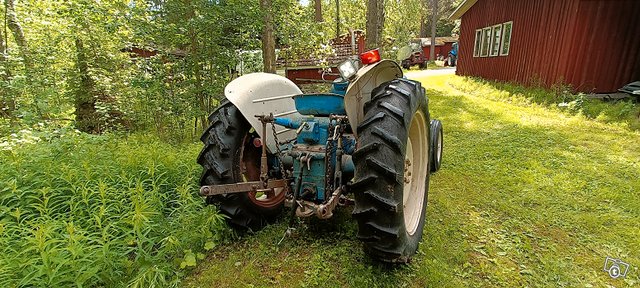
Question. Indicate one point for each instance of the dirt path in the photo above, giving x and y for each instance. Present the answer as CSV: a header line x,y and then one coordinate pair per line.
x,y
418,74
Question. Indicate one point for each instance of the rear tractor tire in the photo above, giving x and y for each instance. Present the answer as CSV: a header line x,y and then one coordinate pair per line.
x,y
391,179
231,156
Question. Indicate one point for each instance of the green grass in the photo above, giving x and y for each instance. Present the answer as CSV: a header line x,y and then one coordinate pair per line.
x,y
558,98
528,195
95,211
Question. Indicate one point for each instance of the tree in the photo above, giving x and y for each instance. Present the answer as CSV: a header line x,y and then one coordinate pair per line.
x,y
400,24
16,29
101,73
8,104
375,24
85,98
318,10
434,22
268,37
444,26
424,5
9,99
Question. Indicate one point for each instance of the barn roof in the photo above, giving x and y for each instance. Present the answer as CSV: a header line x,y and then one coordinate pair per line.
x,y
439,41
463,8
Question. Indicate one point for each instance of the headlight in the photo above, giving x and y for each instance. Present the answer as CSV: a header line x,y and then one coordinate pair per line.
x,y
348,68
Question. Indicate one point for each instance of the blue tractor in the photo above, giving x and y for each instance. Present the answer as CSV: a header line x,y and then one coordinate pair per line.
x,y
452,58
369,143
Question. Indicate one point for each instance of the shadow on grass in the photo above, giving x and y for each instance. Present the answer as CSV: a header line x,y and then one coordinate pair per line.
x,y
317,253
516,200
505,177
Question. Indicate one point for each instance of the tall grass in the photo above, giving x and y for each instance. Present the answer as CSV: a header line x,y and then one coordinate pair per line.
x,y
82,210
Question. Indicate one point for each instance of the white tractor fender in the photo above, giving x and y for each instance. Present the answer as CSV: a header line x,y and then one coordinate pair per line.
x,y
359,90
263,93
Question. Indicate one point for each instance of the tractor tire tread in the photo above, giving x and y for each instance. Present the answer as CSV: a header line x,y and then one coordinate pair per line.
x,y
377,183
375,118
391,140
222,140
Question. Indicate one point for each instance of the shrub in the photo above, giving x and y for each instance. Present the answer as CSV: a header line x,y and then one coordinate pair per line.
x,y
83,210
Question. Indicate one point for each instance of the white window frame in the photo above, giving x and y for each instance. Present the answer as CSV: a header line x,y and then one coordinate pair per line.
x,y
493,39
502,40
477,44
483,40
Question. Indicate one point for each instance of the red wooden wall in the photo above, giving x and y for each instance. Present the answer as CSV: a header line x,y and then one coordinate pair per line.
x,y
593,45
440,50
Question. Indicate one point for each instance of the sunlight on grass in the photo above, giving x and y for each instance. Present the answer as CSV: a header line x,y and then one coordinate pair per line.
x,y
623,113
528,195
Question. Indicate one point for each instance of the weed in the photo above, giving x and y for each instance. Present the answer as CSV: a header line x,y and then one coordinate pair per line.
x,y
83,210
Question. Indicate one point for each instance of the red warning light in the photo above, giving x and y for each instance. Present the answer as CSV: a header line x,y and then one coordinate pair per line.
x,y
370,57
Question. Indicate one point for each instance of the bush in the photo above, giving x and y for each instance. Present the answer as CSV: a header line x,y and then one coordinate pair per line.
x,y
83,210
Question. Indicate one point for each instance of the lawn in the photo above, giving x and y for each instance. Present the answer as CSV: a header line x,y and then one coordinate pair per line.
x,y
528,195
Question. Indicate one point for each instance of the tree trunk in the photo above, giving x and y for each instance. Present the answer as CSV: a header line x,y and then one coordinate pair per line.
x,y
375,23
16,30
268,38
434,22
423,27
85,98
424,15
7,102
197,72
318,10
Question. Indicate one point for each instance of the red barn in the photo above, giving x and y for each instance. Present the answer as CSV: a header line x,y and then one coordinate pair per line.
x,y
443,46
592,45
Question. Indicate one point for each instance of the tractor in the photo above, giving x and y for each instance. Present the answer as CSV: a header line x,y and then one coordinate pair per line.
x,y
412,55
369,143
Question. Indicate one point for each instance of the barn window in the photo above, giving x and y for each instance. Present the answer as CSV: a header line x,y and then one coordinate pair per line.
x,y
477,45
486,42
496,32
506,38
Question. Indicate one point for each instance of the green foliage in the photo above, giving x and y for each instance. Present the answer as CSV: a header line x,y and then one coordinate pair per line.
x,y
298,35
196,42
81,210
196,48
402,22
199,43
352,16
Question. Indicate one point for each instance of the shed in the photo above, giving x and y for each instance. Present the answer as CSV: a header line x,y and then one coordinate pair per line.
x,y
591,45
308,70
443,46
